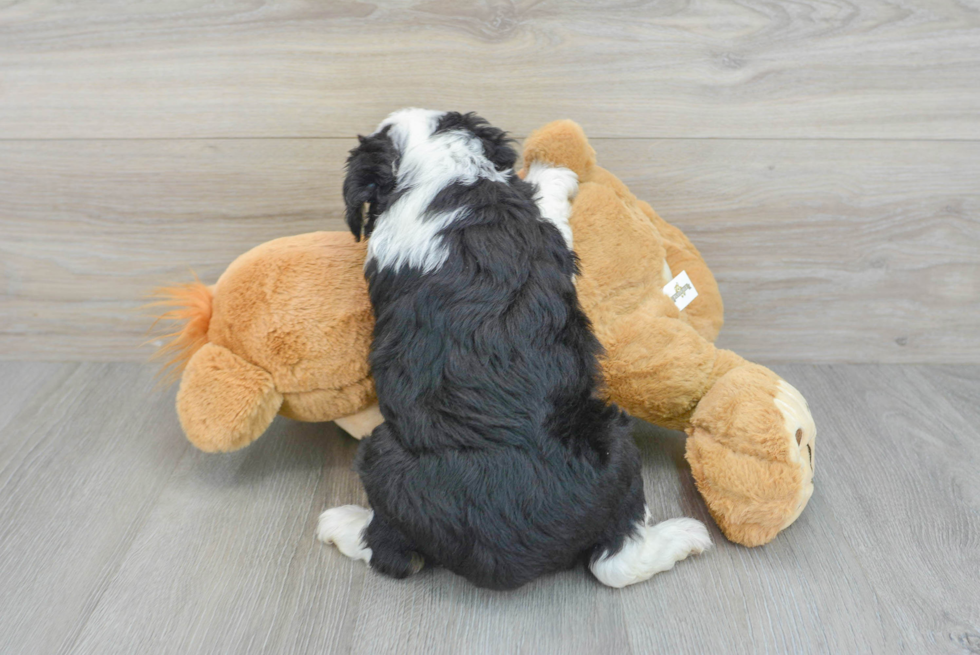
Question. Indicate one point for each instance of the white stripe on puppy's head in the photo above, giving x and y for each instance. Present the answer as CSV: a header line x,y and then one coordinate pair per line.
x,y
411,126
398,171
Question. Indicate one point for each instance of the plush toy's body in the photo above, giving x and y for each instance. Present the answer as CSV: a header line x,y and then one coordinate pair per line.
x,y
287,329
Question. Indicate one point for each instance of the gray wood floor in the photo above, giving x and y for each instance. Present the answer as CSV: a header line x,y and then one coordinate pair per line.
x,y
116,536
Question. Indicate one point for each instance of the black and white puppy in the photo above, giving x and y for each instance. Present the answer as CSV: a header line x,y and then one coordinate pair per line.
x,y
497,458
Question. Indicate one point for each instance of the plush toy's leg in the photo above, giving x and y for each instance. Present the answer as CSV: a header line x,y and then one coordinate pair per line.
x,y
706,314
751,453
361,425
751,434
224,402
658,368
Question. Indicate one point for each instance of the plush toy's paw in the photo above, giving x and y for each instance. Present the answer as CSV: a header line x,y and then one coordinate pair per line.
x,y
800,429
751,450
344,527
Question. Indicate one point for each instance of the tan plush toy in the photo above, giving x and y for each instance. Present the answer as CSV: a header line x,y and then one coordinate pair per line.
x,y
287,329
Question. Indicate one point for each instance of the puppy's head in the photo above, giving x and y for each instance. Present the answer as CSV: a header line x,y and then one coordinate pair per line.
x,y
436,139
497,146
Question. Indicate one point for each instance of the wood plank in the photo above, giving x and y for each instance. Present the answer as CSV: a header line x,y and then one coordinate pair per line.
x,y
80,466
87,229
825,250
117,537
440,613
227,560
21,382
960,387
897,467
192,68
830,251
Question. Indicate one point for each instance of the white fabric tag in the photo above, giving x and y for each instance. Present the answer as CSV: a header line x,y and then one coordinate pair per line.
x,y
681,290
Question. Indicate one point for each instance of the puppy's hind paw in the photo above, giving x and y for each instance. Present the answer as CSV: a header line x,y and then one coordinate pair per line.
x,y
653,549
682,537
344,527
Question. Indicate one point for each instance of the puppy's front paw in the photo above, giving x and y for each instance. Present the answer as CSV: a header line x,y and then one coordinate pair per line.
x,y
344,527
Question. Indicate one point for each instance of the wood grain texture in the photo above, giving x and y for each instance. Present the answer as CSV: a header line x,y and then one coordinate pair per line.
x,y
81,464
227,561
195,68
20,382
898,461
117,537
825,250
960,387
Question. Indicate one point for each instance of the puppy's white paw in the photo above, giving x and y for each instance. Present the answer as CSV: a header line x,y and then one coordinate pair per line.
x,y
655,548
682,537
344,527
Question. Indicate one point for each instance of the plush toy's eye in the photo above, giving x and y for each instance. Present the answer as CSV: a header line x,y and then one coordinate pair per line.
x,y
372,186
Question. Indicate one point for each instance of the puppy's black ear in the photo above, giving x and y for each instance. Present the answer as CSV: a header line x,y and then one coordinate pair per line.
x,y
356,191
370,181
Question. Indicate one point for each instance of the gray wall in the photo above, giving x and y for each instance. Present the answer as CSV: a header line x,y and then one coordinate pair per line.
x,y
824,159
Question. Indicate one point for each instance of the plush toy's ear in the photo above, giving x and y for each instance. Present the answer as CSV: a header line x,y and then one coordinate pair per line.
x,y
497,146
561,143
370,181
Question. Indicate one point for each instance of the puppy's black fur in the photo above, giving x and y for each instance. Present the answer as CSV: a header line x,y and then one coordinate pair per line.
x,y
370,181
497,459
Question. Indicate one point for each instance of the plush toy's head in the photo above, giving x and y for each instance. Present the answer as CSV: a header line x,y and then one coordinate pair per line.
x,y
286,329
